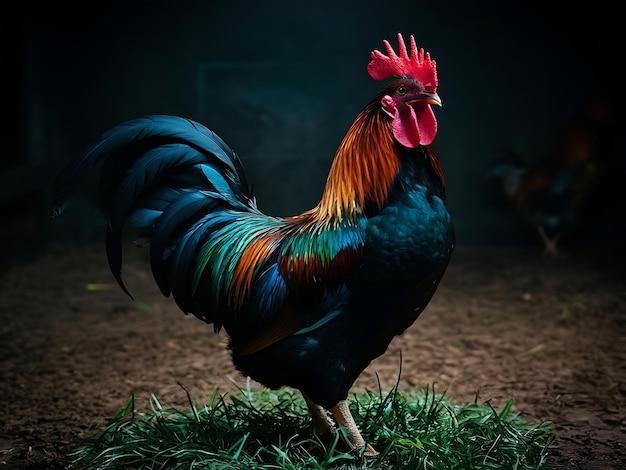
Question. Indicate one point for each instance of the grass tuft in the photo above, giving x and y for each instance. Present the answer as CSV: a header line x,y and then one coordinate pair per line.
x,y
273,430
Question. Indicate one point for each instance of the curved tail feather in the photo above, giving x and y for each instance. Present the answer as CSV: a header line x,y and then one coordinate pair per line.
x,y
162,174
136,136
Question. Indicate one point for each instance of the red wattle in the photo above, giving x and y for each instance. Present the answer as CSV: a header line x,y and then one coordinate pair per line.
x,y
427,126
411,131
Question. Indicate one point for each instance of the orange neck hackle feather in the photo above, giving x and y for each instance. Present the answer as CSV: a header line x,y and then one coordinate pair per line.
x,y
364,167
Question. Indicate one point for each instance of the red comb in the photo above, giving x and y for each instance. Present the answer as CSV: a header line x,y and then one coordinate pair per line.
x,y
418,65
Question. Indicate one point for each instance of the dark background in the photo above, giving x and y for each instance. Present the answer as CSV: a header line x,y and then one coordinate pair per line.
x,y
281,82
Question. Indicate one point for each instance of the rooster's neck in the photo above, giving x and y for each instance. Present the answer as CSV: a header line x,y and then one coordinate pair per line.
x,y
364,168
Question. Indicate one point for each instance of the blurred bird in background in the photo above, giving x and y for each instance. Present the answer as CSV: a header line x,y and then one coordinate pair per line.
x,y
558,194
307,301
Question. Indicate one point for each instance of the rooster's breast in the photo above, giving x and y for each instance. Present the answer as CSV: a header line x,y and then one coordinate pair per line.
x,y
408,240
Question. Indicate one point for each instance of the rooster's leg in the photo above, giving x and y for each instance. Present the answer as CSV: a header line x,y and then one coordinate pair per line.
x,y
343,417
323,424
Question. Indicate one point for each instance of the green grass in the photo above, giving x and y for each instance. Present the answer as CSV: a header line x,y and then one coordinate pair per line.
x,y
273,430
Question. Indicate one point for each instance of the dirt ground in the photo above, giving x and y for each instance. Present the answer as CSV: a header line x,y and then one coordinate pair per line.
x,y
508,323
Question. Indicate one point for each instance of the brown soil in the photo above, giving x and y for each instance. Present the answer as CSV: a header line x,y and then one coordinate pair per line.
x,y
511,324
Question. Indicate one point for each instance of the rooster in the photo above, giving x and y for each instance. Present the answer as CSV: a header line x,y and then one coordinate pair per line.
x,y
557,194
306,301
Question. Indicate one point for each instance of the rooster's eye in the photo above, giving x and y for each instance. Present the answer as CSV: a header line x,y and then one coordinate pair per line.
x,y
401,90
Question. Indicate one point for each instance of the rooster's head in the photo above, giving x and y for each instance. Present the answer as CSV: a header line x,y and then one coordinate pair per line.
x,y
407,101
